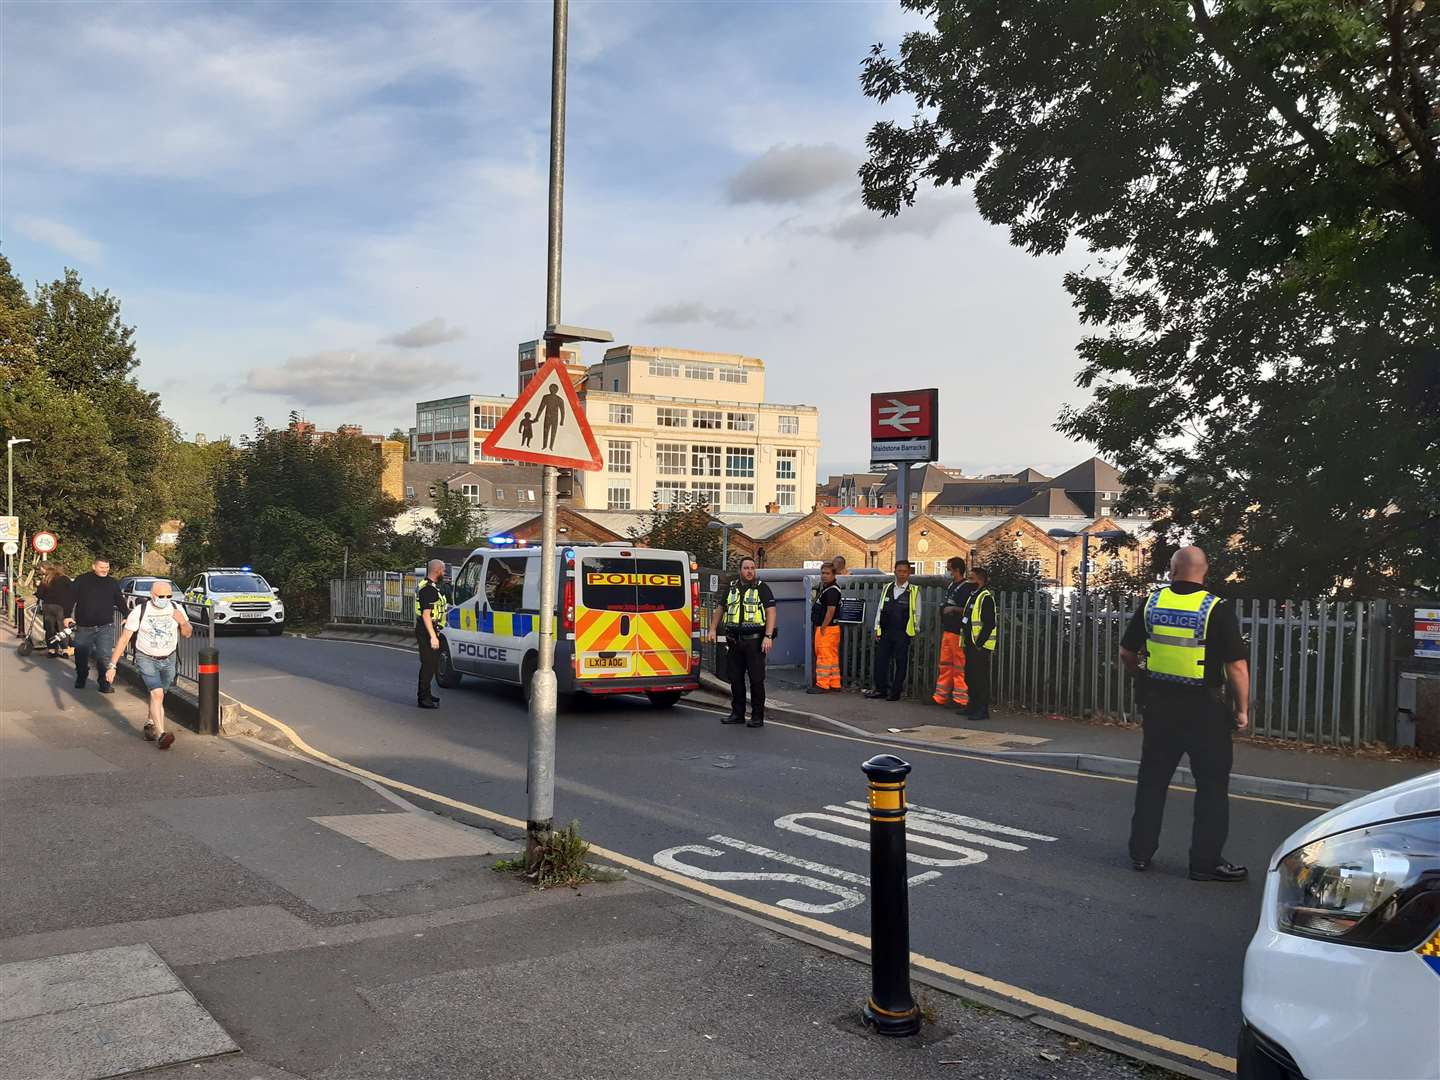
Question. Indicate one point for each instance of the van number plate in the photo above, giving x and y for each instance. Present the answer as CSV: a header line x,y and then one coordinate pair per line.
x,y
614,664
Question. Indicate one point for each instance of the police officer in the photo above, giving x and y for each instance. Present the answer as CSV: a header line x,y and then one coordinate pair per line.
x,y
1192,647
897,617
430,608
980,631
748,615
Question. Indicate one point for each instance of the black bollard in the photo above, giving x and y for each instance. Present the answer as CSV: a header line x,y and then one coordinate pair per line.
x,y
890,1010
19,616
209,677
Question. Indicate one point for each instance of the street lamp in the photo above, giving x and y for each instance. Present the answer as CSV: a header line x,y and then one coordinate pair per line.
x,y
1085,538
724,528
10,445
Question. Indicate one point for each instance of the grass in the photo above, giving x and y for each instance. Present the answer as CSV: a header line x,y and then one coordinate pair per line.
x,y
562,863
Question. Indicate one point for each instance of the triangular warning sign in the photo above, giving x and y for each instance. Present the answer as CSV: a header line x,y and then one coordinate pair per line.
x,y
546,425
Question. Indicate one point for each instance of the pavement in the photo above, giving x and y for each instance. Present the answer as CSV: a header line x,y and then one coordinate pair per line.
x,y
232,910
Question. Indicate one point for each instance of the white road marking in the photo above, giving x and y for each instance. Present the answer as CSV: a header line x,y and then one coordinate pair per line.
x,y
921,825
975,823
806,864
968,856
849,898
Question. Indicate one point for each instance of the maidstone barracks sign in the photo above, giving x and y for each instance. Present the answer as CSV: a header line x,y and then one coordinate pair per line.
x,y
905,426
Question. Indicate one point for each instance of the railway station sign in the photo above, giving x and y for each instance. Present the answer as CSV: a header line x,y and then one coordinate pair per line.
x,y
904,426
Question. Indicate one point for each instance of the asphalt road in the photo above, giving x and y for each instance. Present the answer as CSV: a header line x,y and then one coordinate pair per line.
x,y
1027,880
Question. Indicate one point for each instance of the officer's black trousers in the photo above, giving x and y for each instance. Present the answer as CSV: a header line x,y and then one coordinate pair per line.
x,y
1184,722
977,678
429,664
747,661
892,662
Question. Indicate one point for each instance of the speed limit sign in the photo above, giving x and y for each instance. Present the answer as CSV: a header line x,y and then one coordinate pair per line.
x,y
43,542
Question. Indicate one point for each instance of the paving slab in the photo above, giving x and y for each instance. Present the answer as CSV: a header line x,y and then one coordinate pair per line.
x,y
410,836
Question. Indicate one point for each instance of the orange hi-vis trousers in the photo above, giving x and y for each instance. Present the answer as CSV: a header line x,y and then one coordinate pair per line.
x,y
827,657
950,684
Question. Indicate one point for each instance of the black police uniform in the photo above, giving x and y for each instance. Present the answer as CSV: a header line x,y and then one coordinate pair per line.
x,y
747,659
1193,720
426,597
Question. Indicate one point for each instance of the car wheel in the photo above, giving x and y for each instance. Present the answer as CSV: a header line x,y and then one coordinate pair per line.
x,y
445,673
663,699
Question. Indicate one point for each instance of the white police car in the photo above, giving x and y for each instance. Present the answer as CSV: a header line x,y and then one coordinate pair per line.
x,y
238,598
1342,978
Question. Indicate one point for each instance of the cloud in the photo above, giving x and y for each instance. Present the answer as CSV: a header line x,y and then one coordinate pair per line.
x,y
343,377
693,311
61,237
791,174
425,334
866,227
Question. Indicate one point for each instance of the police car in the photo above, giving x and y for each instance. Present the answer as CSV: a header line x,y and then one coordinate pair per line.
x,y
238,598
628,621
1342,978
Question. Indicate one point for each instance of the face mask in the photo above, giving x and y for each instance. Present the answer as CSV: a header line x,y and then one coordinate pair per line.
x,y
161,603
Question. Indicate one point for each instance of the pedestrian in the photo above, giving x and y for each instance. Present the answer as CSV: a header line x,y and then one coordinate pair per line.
x,y
981,633
552,416
55,593
950,686
95,598
157,624
897,616
748,619
823,615
527,429
840,565
1192,647
430,609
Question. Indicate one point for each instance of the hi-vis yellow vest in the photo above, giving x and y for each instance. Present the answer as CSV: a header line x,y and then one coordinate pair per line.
x,y
743,606
437,609
912,601
973,620
1175,630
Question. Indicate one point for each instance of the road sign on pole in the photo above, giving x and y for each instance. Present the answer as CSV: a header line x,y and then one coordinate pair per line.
x,y
44,542
11,547
904,426
9,529
545,425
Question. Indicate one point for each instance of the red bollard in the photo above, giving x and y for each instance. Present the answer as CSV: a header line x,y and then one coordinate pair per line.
x,y
19,616
208,675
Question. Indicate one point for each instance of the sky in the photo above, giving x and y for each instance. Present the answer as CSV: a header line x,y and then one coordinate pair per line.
x,y
340,209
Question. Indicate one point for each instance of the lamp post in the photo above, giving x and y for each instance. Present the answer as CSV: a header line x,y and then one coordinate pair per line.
x,y
724,528
1085,538
10,445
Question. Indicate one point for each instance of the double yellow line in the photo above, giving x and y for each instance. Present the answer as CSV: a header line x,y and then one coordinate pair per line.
x,y
1106,1025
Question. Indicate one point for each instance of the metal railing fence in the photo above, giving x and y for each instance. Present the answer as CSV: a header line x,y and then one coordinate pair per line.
x,y
187,653
376,597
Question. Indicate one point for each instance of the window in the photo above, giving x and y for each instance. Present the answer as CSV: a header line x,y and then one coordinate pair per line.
x,y
703,372
471,492
739,497
705,460
427,453
467,581
709,419
442,452
665,369
670,492
615,385
487,416
529,494
622,414
785,464
789,425
706,491
618,495
740,421
739,461
505,583
499,494
409,491
785,496
733,374
617,456
1032,566
670,458
666,416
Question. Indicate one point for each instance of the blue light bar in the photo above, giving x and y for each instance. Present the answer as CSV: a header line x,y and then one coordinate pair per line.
x,y
501,541
245,568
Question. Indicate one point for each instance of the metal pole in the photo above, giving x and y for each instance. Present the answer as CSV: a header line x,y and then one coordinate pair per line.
x,y
890,1009
902,513
1084,621
540,812
10,511
724,548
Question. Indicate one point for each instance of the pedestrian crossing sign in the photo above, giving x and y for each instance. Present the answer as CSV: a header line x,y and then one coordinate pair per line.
x,y
546,425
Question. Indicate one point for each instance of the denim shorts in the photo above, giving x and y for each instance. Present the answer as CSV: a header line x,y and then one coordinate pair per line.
x,y
158,673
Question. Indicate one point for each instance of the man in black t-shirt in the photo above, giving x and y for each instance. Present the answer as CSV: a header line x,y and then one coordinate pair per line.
x,y
430,608
1192,647
823,615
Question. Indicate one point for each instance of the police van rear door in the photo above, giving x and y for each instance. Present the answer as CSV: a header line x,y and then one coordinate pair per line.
x,y
632,617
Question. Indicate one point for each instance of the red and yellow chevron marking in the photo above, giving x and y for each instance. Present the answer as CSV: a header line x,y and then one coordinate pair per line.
x,y
663,640
598,631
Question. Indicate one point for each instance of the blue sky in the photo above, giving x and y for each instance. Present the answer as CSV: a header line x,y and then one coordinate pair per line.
x,y
340,208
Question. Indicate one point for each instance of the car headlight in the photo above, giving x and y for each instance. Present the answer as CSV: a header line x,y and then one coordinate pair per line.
x,y
1377,887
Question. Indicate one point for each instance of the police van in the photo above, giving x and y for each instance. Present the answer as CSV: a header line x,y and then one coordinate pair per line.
x,y
238,598
627,621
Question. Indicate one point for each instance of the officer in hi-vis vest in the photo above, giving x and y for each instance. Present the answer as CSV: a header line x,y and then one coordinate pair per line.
x,y
980,630
430,608
748,617
897,617
1192,648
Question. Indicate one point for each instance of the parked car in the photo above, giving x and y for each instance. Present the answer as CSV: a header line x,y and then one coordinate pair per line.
x,y
237,598
135,589
1342,977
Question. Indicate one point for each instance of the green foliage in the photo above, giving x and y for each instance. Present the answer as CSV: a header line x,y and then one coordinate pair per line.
x,y
1258,182
95,471
1010,571
1114,581
458,522
192,472
682,526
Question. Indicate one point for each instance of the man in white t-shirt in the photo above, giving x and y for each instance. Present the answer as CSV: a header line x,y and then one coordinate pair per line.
x,y
157,625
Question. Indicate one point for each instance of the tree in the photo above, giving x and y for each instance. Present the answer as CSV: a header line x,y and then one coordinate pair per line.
x,y
1010,571
191,474
1115,581
458,521
682,525
1258,182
